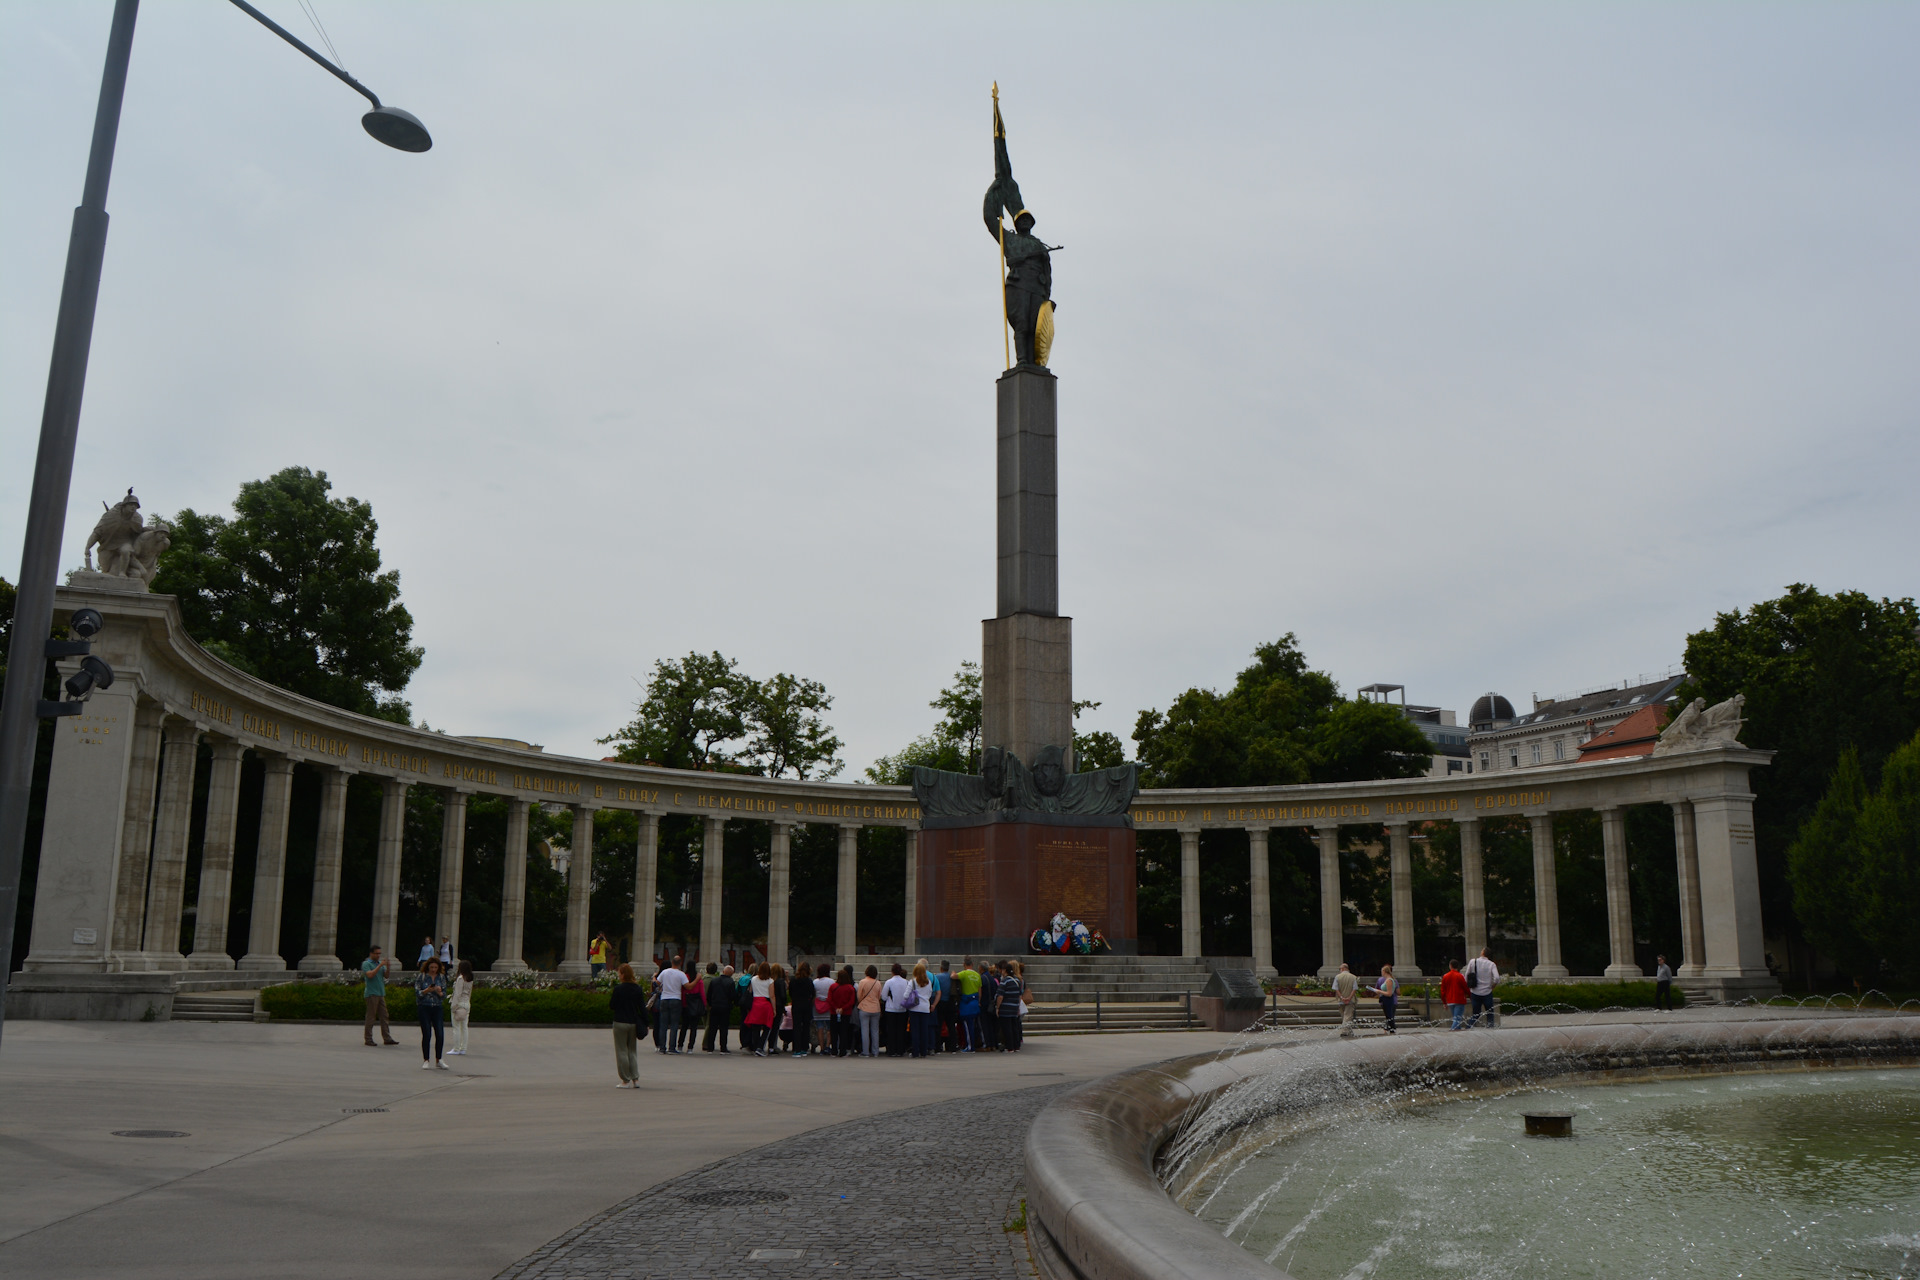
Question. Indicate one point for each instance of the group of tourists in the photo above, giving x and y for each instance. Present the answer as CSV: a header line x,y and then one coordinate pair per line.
x,y
435,997
827,1012
1458,990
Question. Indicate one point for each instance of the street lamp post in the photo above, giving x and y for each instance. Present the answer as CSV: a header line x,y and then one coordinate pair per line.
x,y
27,655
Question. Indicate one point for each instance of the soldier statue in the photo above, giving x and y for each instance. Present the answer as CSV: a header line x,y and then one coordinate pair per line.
x,y
1029,284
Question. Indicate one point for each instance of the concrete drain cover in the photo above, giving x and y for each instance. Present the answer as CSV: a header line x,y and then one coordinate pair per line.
x,y
365,1111
733,1195
150,1133
775,1255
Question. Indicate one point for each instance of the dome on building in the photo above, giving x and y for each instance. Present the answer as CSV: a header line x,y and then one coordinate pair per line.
x,y
1490,707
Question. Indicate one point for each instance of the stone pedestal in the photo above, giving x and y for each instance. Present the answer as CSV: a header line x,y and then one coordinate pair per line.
x,y
985,888
1026,684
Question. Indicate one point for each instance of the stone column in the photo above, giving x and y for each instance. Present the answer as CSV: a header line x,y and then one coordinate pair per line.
x,y
1546,900
1400,864
713,855
779,890
453,858
579,895
323,924
1260,887
136,839
846,909
1473,886
1333,927
1687,853
1190,891
646,891
166,889
513,889
913,894
270,868
1613,832
1733,946
386,868
216,858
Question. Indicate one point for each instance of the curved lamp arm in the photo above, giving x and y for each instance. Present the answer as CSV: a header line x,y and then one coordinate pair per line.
x,y
295,41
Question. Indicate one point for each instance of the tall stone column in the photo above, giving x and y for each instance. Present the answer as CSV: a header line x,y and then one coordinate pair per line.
x,y
1613,834
579,895
713,884
166,890
646,891
513,888
779,890
1730,931
1687,853
1473,887
136,839
453,858
1406,966
1260,888
847,904
1546,900
1190,891
323,923
386,868
216,858
270,868
1333,927
912,942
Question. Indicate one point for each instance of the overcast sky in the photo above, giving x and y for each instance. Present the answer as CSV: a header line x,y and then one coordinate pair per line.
x,y
1482,348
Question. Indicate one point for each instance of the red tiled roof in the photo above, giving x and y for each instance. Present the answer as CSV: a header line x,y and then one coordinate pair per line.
x,y
1633,736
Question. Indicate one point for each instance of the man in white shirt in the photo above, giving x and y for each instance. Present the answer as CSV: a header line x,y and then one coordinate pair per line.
x,y
893,1013
1345,986
1481,973
672,980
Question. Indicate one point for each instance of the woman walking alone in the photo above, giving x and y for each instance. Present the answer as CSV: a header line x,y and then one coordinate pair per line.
x,y
628,1004
462,1006
867,997
429,999
800,1000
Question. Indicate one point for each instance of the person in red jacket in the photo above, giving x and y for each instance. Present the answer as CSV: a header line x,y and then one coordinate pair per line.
x,y
1453,990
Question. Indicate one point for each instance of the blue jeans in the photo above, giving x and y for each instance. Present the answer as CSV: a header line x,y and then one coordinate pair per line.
x,y
869,1034
670,1025
1389,1005
1459,1015
433,1031
1481,1004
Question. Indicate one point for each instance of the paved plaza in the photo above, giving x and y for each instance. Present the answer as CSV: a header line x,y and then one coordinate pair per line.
x,y
466,1173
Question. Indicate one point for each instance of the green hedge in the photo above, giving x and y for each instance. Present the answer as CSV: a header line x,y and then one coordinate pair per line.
x,y
345,1003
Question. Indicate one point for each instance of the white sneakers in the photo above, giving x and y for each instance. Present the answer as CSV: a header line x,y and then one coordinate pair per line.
x,y
443,1066
426,1066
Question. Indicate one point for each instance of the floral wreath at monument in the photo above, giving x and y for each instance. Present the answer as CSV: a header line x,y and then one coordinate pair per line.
x,y
1067,937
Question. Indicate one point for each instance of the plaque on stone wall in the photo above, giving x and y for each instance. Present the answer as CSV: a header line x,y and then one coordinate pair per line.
x,y
970,907
1073,879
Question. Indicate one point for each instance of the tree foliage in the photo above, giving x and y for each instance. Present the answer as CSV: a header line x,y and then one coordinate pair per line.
x,y
1822,866
1855,868
290,590
703,712
1280,724
1822,674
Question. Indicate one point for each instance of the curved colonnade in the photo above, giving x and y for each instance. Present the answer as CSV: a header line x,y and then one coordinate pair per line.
x,y
114,851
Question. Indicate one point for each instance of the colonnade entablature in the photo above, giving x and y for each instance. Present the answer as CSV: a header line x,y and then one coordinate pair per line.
x,y
114,849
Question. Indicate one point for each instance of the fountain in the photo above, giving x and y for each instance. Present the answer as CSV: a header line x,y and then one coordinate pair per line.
x,y
1403,1156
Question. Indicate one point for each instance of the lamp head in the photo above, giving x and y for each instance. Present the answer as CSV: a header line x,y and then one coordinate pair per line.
x,y
86,623
93,674
399,129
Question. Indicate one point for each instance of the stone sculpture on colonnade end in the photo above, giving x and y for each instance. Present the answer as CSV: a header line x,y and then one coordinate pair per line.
x,y
129,550
1005,784
1700,726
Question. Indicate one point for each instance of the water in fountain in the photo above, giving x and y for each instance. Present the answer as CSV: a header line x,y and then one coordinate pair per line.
x,y
1764,1174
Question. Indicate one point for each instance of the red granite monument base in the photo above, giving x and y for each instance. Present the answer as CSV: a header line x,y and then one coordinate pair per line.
x,y
987,888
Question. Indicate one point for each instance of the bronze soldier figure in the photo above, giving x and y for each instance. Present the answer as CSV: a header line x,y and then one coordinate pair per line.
x,y
1029,285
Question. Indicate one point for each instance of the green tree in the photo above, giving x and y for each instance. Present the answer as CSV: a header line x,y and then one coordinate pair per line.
x,y
290,590
1821,673
1889,834
787,731
1823,867
692,714
959,707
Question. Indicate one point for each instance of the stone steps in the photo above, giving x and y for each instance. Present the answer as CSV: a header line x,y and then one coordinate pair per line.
x,y
217,1008
1084,1019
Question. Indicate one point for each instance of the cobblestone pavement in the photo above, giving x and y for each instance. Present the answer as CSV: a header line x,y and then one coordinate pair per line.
x,y
926,1192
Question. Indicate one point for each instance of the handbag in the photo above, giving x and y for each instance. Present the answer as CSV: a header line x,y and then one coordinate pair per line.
x,y
911,1000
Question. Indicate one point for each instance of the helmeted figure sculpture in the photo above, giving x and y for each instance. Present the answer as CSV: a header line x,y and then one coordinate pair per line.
x,y
1029,283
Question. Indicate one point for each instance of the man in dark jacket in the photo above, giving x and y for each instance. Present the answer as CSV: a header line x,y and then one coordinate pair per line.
x,y
720,992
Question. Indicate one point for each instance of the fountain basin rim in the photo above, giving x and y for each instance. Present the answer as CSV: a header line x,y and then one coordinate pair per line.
x,y
1097,1209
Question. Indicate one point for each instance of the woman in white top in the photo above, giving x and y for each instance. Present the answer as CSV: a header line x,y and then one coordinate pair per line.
x,y
822,1011
462,1003
893,1020
920,1016
759,1011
